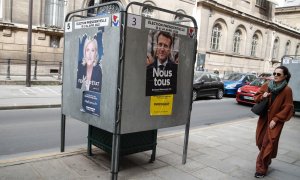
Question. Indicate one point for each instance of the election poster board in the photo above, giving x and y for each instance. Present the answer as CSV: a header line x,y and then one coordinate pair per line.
x,y
91,54
293,64
158,66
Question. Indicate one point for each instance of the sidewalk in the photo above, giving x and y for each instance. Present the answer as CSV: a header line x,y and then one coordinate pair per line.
x,y
21,97
223,151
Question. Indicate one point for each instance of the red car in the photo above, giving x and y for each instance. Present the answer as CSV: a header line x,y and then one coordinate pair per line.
x,y
245,94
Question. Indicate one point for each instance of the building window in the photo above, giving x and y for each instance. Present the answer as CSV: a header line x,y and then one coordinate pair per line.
x,y
215,37
261,3
297,50
254,45
54,41
236,41
54,13
287,48
178,17
110,9
1,9
275,48
147,12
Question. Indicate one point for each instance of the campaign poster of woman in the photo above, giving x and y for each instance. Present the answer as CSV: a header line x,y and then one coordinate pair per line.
x,y
89,69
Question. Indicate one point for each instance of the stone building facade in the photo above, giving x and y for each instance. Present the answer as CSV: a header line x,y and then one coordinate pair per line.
x,y
233,35
242,36
47,29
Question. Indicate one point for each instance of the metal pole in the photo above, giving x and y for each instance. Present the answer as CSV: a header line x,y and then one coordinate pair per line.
x,y
35,69
186,140
28,65
115,156
62,133
8,70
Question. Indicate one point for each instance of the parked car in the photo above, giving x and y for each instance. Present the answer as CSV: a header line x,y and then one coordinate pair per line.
x,y
245,94
236,80
207,84
265,75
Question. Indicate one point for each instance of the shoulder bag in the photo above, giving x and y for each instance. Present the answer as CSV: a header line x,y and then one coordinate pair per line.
x,y
261,107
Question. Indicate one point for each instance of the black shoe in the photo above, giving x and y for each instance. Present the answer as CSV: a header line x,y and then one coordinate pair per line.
x,y
259,175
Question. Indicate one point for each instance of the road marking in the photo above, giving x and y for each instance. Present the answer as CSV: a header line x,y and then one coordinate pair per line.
x,y
55,92
22,90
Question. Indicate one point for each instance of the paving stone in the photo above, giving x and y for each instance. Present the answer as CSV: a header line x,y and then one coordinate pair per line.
x,y
286,158
143,176
211,173
53,169
155,165
172,173
82,165
226,148
282,175
18,172
176,148
243,173
287,168
215,163
171,159
213,152
240,162
190,166
133,171
297,163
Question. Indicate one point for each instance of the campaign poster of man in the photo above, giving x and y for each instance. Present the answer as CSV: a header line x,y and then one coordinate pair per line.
x,y
162,63
89,69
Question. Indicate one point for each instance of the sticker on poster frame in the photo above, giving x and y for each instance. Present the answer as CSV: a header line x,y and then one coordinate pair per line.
x,y
161,105
68,27
91,102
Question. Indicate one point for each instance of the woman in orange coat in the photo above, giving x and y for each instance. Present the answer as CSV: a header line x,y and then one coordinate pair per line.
x,y
269,125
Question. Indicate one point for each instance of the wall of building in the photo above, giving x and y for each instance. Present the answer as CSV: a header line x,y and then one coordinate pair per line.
x,y
250,19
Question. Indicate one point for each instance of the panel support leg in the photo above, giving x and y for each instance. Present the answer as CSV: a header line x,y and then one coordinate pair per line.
x,y
63,133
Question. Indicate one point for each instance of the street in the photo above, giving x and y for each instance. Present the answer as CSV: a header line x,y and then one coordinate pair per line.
x,y
30,130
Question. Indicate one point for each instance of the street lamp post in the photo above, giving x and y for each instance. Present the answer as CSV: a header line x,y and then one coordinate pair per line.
x,y
28,64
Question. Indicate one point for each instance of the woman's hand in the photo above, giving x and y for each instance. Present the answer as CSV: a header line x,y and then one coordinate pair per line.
x,y
272,124
266,94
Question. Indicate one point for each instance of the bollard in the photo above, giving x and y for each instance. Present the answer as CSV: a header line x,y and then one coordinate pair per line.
x,y
8,70
35,69
59,71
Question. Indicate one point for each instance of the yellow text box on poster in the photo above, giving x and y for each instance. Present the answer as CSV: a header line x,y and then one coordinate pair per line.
x,y
161,105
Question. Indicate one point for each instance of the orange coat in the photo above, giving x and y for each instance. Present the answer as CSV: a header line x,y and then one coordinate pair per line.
x,y
281,110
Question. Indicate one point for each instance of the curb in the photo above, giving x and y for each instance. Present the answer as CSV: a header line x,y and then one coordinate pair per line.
x,y
36,106
40,157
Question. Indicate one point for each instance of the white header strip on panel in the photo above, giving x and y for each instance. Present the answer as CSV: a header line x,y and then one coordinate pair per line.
x,y
161,26
92,23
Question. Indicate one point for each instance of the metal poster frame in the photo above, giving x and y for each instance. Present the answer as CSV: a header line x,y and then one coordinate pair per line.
x,y
120,81
187,126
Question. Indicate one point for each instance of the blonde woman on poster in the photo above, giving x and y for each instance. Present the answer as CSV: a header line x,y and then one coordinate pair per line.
x,y
89,72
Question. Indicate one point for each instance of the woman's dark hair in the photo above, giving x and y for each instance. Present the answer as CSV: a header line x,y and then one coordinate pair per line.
x,y
285,72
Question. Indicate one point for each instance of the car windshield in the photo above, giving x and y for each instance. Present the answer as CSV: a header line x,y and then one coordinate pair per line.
x,y
198,75
233,77
258,82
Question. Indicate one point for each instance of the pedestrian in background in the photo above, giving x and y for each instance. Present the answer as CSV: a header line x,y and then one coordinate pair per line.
x,y
269,125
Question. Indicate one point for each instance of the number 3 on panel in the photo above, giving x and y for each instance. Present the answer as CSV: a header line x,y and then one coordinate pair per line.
x,y
134,21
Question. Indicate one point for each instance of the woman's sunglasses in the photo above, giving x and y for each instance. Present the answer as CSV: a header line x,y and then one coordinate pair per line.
x,y
276,74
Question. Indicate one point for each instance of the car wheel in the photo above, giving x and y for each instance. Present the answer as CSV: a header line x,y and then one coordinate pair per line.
x,y
220,94
194,95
